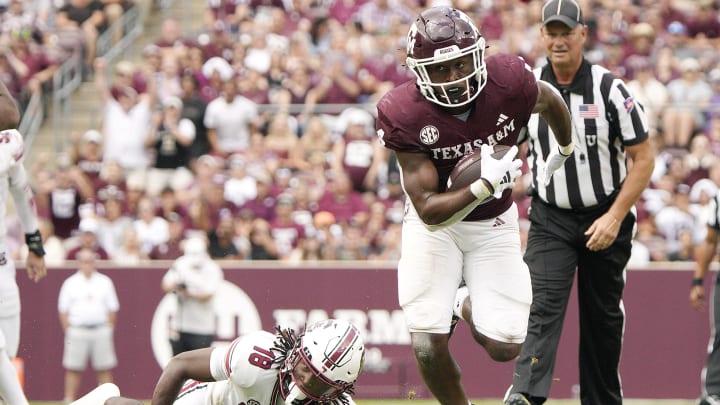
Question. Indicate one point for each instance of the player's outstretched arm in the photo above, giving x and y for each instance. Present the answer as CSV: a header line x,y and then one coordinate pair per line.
x,y
11,154
705,253
553,109
194,364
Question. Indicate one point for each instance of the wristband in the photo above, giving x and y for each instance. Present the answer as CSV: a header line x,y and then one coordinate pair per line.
x,y
567,150
34,243
697,282
480,189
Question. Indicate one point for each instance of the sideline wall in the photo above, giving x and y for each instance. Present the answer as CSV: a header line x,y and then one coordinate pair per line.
x,y
665,340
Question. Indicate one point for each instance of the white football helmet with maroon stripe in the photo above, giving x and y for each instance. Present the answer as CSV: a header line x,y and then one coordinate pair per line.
x,y
334,351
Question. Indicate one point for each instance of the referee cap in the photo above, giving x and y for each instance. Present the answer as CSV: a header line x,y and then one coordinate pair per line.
x,y
567,12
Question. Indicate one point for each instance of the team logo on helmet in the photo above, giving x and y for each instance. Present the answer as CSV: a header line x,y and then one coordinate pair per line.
x,y
429,134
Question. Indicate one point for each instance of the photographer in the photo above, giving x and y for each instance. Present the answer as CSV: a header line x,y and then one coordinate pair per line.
x,y
195,279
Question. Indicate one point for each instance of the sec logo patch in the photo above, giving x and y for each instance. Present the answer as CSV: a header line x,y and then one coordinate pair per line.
x,y
429,134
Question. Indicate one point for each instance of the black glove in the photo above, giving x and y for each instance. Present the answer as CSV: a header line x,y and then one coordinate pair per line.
x,y
34,243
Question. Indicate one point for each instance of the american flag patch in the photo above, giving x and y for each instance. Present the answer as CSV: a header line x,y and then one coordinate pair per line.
x,y
629,104
589,111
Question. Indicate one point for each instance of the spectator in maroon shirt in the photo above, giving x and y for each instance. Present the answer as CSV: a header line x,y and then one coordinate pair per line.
x,y
705,24
40,67
87,155
341,200
220,42
63,194
287,233
221,238
87,239
171,41
172,248
262,206
343,10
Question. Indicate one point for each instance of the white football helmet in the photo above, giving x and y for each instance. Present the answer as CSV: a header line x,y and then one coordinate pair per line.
x,y
440,34
334,351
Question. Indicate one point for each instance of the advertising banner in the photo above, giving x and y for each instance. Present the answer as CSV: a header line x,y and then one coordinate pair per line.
x,y
665,340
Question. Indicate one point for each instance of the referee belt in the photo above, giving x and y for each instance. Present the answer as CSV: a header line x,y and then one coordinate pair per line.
x,y
598,208
90,326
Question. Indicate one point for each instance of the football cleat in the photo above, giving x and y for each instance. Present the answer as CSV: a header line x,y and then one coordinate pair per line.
x,y
516,399
99,395
709,400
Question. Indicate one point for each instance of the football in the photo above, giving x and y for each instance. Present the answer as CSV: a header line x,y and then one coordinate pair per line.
x,y
467,169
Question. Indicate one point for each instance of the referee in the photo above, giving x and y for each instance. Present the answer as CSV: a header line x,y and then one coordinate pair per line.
x,y
581,217
710,375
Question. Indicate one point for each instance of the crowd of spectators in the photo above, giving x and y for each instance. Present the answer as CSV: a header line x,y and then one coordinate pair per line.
x,y
257,132
37,36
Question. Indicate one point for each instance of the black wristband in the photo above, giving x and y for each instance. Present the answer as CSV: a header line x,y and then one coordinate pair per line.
x,y
697,282
34,243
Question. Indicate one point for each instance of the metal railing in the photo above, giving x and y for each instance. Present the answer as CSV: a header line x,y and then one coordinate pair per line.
x,y
69,77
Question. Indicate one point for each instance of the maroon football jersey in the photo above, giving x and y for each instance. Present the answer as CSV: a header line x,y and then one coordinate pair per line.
x,y
408,122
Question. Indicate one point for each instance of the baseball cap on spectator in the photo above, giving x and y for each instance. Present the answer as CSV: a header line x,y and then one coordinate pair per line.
x,y
111,192
682,189
209,160
64,162
174,218
125,68
219,25
614,39
262,177
220,65
714,76
195,247
352,116
690,65
642,29
567,12
285,199
218,179
236,160
677,28
152,50
706,186
88,225
173,101
135,182
92,136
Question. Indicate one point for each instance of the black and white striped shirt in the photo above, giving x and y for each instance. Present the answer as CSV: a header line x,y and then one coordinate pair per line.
x,y
605,118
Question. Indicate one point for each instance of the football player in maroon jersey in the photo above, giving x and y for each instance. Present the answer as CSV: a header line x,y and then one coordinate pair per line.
x,y
460,102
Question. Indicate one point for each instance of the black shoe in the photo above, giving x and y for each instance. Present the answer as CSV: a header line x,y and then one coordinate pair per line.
x,y
709,400
517,399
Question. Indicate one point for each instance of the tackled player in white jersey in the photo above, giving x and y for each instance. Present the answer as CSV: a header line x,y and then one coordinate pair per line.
x,y
14,181
317,367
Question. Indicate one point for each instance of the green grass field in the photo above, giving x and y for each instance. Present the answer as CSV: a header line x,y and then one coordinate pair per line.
x,y
483,402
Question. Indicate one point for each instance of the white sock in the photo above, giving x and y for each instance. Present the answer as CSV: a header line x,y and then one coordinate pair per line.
x,y
99,395
460,296
10,389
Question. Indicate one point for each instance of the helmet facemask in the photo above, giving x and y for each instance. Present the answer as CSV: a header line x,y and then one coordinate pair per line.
x,y
441,35
328,358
